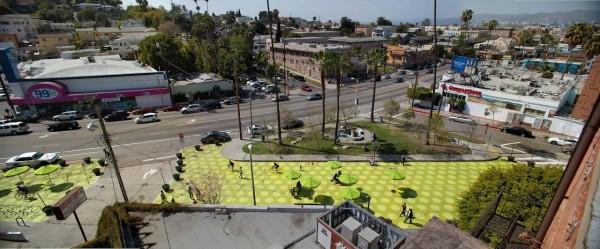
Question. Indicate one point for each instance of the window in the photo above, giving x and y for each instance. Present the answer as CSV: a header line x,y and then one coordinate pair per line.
x,y
534,112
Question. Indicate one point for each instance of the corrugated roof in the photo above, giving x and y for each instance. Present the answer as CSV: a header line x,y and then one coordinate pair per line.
x,y
441,235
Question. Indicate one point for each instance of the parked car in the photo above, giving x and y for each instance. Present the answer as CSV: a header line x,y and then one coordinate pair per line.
x,y
144,110
34,118
3,96
399,80
212,137
232,100
13,128
147,118
191,108
306,88
314,96
62,126
387,76
171,108
281,98
103,112
68,115
402,72
299,78
210,104
568,148
519,131
32,159
270,89
291,124
461,119
258,129
562,141
116,116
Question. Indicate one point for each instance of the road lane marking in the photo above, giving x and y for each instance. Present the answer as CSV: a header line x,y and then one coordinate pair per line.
x,y
46,145
157,158
156,133
505,146
79,154
48,134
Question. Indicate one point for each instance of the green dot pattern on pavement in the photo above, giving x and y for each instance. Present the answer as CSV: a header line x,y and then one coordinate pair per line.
x,y
30,209
430,188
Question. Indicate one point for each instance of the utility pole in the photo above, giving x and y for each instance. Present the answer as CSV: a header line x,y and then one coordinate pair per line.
x,y
276,83
8,100
434,70
110,150
285,89
414,91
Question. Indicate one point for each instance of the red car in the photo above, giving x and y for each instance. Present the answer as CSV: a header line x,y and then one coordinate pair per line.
x,y
171,108
306,88
144,110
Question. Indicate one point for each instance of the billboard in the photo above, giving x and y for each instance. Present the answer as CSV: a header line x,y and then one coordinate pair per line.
x,y
65,206
462,64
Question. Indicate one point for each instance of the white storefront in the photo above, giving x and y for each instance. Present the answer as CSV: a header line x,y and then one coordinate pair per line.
x,y
513,109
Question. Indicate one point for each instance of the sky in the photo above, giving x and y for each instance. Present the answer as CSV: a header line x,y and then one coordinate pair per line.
x,y
367,11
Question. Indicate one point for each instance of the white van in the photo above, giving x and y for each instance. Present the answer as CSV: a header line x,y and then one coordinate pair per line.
x,y
13,128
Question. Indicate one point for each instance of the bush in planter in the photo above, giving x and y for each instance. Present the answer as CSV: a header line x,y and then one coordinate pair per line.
x,y
166,187
101,162
179,155
511,158
177,177
62,163
179,168
530,163
87,160
198,147
47,210
96,171
180,162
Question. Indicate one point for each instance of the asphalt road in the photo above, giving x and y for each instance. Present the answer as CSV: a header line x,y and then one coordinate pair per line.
x,y
136,144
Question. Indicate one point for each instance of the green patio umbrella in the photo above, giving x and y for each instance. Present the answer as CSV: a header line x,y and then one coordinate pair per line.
x,y
348,179
396,176
334,164
310,182
291,174
17,172
47,170
350,193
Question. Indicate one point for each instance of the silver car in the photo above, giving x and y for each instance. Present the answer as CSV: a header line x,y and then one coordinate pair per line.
x,y
32,159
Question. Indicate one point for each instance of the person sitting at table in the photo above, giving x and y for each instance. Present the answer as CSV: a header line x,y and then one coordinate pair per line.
x,y
298,187
335,178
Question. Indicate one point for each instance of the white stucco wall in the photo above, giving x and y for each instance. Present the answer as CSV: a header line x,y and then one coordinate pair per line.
x,y
566,126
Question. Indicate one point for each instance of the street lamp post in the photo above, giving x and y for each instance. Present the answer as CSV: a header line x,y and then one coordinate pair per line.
x,y
252,175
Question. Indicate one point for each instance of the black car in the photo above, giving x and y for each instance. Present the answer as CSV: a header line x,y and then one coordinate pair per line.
x,y
210,104
62,126
399,80
27,118
116,116
213,137
291,124
519,131
103,112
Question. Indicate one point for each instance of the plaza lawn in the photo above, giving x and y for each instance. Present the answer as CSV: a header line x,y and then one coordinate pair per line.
x,y
392,138
429,188
29,209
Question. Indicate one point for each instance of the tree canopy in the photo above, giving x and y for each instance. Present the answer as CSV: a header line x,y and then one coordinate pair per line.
x,y
383,21
347,26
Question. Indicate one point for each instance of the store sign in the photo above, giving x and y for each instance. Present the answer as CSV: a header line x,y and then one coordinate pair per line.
x,y
465,91
46,90
67,205
45,93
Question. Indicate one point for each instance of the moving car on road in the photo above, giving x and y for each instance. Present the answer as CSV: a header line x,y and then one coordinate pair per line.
x,y
232,100
258,129
461,119
281,98
116,116
171,108
291,124
399,80
314,96
519,131
306,88
562,141
32,159
144,110
147,118
103,112
62,126
386,76
191,108
213,137
68,115
13,128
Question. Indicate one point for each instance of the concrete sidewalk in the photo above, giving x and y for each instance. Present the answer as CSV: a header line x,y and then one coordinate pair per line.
x,y
233,151
53,233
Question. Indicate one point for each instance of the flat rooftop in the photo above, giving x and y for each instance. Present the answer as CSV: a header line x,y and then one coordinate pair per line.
x,y
98,65
311,47
260,230
357,39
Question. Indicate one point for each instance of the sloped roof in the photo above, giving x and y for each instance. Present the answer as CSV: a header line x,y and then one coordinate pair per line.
x,y
441,235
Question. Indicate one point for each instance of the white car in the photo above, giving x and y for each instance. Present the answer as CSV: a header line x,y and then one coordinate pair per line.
x,y
32,159
191,108
387,76
147,118
68,115
562,141
461,119
258,129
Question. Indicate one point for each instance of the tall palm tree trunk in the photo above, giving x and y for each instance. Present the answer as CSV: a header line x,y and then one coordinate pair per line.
x,y
338,81
373,97
237,95
323,102
279,140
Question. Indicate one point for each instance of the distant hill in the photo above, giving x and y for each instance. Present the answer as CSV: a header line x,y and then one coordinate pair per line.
x,y
562,17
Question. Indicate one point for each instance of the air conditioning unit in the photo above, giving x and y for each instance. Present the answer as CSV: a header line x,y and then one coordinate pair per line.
x,y
367,239
350,230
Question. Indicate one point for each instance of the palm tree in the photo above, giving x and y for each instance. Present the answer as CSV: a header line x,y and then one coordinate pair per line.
x,y
340,63
279,140
322,58
206,7
577,34
491,26
466,17
592,46
375,57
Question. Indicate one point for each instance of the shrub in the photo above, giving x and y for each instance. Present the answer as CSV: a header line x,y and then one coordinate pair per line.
x,y
511,158
531,163
179,155
177,177
47,210
198,147
96,171
166,187
87,160
179,168
179,162
101,162
62,163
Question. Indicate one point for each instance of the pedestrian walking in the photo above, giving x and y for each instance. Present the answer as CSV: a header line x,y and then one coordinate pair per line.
x,y
190,191
410,216
163,197
241,173
403,160
403,212
231,165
